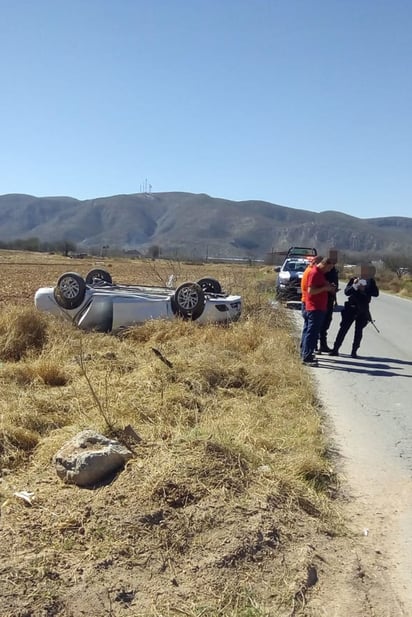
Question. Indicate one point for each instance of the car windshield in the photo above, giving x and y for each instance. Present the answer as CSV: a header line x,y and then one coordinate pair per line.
x,y
302,251
294,266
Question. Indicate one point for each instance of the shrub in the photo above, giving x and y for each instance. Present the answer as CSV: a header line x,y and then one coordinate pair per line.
x,y
21,331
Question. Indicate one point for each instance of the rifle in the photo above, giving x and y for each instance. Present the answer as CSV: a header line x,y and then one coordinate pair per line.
x,y
372,321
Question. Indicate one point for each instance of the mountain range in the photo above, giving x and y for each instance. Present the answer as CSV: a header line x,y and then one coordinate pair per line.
x,y
196,225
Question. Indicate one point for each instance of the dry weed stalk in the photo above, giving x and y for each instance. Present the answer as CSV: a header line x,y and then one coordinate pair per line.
x,y
102,406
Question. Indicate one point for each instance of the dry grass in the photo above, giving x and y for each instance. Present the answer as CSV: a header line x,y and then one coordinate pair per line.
x,y
21,332
230,482
388,281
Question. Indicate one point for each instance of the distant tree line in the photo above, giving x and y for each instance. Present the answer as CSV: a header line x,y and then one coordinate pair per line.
x,y
68,247
392,261
34,244
397,263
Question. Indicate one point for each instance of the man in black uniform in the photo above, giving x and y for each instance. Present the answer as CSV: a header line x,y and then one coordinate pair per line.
x,y
356,309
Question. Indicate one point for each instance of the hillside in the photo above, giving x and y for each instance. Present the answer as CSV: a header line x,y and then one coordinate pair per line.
x,y
186,224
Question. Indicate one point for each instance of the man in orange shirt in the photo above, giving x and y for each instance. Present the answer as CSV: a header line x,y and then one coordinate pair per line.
x,y
304,281
304,288
316,289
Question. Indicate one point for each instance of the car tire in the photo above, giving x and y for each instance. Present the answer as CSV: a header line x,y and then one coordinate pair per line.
x,y
189,300
70,290
210,285
98,276
281,296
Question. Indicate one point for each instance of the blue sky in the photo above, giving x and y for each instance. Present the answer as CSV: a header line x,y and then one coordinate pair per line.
x,y
303,103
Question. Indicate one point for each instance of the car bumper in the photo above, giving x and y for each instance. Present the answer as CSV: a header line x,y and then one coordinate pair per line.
x,y
221,310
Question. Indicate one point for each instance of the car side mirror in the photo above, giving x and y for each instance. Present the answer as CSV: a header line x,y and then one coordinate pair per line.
x,y
277,269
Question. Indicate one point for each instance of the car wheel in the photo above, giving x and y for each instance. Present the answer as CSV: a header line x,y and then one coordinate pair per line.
x,y
69,291
210,285
190,300
98,276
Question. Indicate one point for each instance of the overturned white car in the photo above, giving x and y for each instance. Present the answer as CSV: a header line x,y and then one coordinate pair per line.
x,y
96,303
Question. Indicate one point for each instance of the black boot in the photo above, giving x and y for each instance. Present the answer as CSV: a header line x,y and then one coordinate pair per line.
x,y
334,352
322,344
354,354
324,348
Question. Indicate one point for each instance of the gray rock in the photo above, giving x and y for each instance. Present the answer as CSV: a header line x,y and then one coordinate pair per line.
x,y
88,458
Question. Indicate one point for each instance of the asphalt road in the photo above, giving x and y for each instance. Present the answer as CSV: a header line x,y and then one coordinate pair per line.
x,y
369,404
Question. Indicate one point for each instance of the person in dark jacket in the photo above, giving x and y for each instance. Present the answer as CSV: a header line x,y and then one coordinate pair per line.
x,y
332,277
356,309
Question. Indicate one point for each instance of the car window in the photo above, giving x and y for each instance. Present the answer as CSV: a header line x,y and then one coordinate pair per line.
x,y
302,251
295,266
300,267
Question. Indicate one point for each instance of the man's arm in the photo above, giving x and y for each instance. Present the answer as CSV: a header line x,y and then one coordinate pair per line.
x,y
314,288
349,289
373,288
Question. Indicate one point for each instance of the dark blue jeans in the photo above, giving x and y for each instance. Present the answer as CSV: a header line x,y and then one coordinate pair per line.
x,y
312,327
